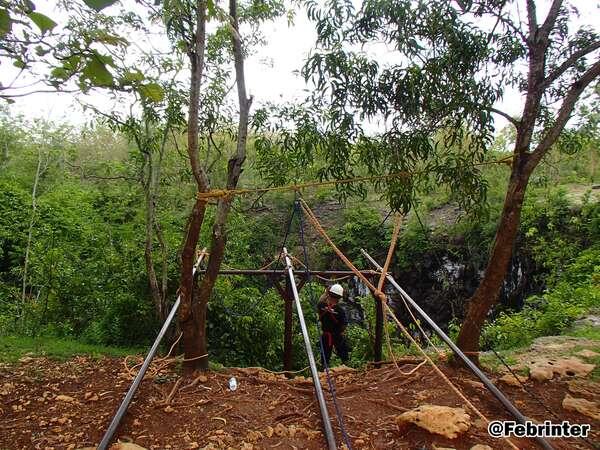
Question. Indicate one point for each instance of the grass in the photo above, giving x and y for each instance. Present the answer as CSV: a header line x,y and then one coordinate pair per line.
x,y
12,348
588,332
493,364
593,334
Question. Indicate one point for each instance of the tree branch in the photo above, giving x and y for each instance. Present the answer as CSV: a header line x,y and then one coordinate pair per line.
x,y
564,113
570,62
196,55
548,24
512,120
531,19
38,92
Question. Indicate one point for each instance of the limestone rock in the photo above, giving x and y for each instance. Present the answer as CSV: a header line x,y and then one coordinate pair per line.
x,y
582,406
591,320
545,369
510,379
475,384
442,420
587,353
584,388
64,398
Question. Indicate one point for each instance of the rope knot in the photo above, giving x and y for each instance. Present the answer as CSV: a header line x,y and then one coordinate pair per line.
x,y
380,296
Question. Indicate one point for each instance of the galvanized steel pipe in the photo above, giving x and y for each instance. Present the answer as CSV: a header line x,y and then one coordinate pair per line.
x,y
311,359
476,370
112,428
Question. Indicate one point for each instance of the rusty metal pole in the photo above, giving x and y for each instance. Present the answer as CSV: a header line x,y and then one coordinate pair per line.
x,y
378,344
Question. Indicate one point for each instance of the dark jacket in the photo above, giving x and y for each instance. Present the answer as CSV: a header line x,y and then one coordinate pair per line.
x,y
333,320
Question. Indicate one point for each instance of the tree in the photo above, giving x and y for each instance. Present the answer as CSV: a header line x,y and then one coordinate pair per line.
x,y
186,22
161,116
558,71
432,72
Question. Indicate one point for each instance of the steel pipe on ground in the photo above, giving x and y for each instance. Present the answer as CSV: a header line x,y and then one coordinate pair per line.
x,y
476,370
311,359
112,428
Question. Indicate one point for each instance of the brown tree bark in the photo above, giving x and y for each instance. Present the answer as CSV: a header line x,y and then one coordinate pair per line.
x,y
219,232
150,183
189,314
486,295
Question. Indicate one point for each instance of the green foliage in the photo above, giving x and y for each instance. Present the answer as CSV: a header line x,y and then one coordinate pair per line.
x,y
43,22
577,291
241,317
360,337
99,5
361,228
75,49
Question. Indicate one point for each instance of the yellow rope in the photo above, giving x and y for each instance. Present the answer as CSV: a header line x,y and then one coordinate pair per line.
x,y
388,260
224,193
397,225
381,296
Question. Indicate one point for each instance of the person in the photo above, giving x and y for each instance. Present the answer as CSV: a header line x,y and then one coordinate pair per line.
x,y
333,324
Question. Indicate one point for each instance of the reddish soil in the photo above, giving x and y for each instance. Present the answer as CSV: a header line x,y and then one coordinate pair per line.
x,y
266,411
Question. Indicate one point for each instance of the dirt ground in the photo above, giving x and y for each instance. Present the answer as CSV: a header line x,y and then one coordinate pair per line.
x,y
68,405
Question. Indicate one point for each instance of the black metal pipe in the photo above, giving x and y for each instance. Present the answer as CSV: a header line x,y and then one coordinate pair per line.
x,y
476,370
303,273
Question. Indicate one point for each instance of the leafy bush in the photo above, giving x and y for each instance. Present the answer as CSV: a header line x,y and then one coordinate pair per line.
x,y
576,292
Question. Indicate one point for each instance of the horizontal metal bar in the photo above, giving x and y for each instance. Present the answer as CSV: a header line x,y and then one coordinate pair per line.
x,y
303,273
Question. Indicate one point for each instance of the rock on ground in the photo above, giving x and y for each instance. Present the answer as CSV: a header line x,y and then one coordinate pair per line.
x,y
583,406
510,379
544,369
442,420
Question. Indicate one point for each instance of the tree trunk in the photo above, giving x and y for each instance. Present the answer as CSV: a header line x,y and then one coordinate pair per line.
x,y
151,184
219,232
486,295
190,317
36,180
189,314
155,290
378,341
164,269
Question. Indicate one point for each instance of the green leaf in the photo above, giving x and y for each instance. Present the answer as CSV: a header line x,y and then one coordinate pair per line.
x,y
152,91
43,22
210,6
59,73
97,73
5,22
19,64
99,5
110,39
131,77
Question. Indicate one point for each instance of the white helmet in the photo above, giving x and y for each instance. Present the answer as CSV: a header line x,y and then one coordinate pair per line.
x,y
336,290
